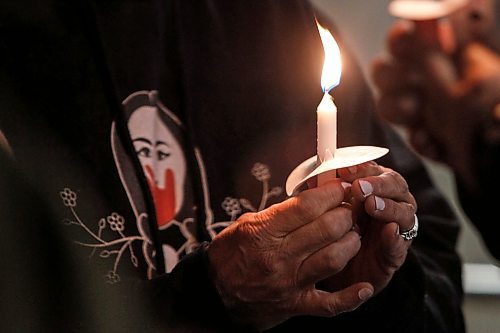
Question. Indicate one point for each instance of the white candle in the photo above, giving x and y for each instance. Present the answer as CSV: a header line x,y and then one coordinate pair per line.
x,y
327,111
327,128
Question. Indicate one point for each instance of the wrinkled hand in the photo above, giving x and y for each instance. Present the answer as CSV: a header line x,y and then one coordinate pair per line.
x,y
440,94
266,264
382,205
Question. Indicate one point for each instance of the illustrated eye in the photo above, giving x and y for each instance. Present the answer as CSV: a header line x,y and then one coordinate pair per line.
x,y
162,155
144,152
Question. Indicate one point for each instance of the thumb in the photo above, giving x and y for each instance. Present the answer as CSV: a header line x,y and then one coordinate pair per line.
x,y
326,304
481,77
353,296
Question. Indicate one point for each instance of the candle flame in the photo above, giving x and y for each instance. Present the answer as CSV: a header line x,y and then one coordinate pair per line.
x,y
332,66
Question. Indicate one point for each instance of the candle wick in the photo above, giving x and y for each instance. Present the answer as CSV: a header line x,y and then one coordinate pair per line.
x,y
327,89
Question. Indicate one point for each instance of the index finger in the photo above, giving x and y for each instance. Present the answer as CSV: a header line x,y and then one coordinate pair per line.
x,y
390,185
409,39
307,206
370,168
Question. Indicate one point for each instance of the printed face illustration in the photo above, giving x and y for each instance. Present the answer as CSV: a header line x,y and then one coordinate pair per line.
x,y
162,160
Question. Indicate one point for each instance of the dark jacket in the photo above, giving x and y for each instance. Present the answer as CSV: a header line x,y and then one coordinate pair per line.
x,y
480,205
235,86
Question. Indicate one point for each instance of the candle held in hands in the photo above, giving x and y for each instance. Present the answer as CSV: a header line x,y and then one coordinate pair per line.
x,y
328,156
327,111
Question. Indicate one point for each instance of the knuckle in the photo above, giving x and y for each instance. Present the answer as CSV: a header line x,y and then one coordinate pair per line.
x,y
334,224
305,207
411,209
403,187
326,232
394,176
377,169
334,261
331,309
344,215
399,181
413,203
395,211
245,217
326,196
268,265
256,225
246,223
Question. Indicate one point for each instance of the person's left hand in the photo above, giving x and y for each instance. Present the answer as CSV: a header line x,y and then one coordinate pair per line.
x,y
383,207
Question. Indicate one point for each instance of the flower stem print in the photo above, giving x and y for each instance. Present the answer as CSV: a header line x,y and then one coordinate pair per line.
x,y
234,207
262,173
114,247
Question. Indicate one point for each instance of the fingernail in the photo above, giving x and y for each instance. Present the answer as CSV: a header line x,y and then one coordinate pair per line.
x,y
379,203
345,185
353,169
365,294
366,188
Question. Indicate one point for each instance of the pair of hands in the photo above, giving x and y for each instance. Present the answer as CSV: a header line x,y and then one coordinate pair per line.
x,y
268,266
440,83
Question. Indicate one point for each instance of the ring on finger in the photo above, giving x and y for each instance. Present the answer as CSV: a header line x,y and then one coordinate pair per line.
x,y
412,233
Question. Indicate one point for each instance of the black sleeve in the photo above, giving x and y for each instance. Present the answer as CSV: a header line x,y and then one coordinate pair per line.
x,y
480,207
186,300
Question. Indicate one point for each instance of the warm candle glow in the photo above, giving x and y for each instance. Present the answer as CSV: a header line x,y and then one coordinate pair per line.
x,y
323,167
332,67
327,111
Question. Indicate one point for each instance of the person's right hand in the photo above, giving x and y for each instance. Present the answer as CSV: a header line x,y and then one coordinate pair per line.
x,y
266,264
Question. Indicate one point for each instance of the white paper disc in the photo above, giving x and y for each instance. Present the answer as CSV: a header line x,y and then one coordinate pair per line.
x,y
344,157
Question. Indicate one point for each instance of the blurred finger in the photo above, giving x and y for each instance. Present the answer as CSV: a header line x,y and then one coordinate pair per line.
x,y
441,74
401,39
390,75
427,33
408,39
400,108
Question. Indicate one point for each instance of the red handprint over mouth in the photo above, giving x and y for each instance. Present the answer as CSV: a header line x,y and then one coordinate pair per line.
x,y
164,198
